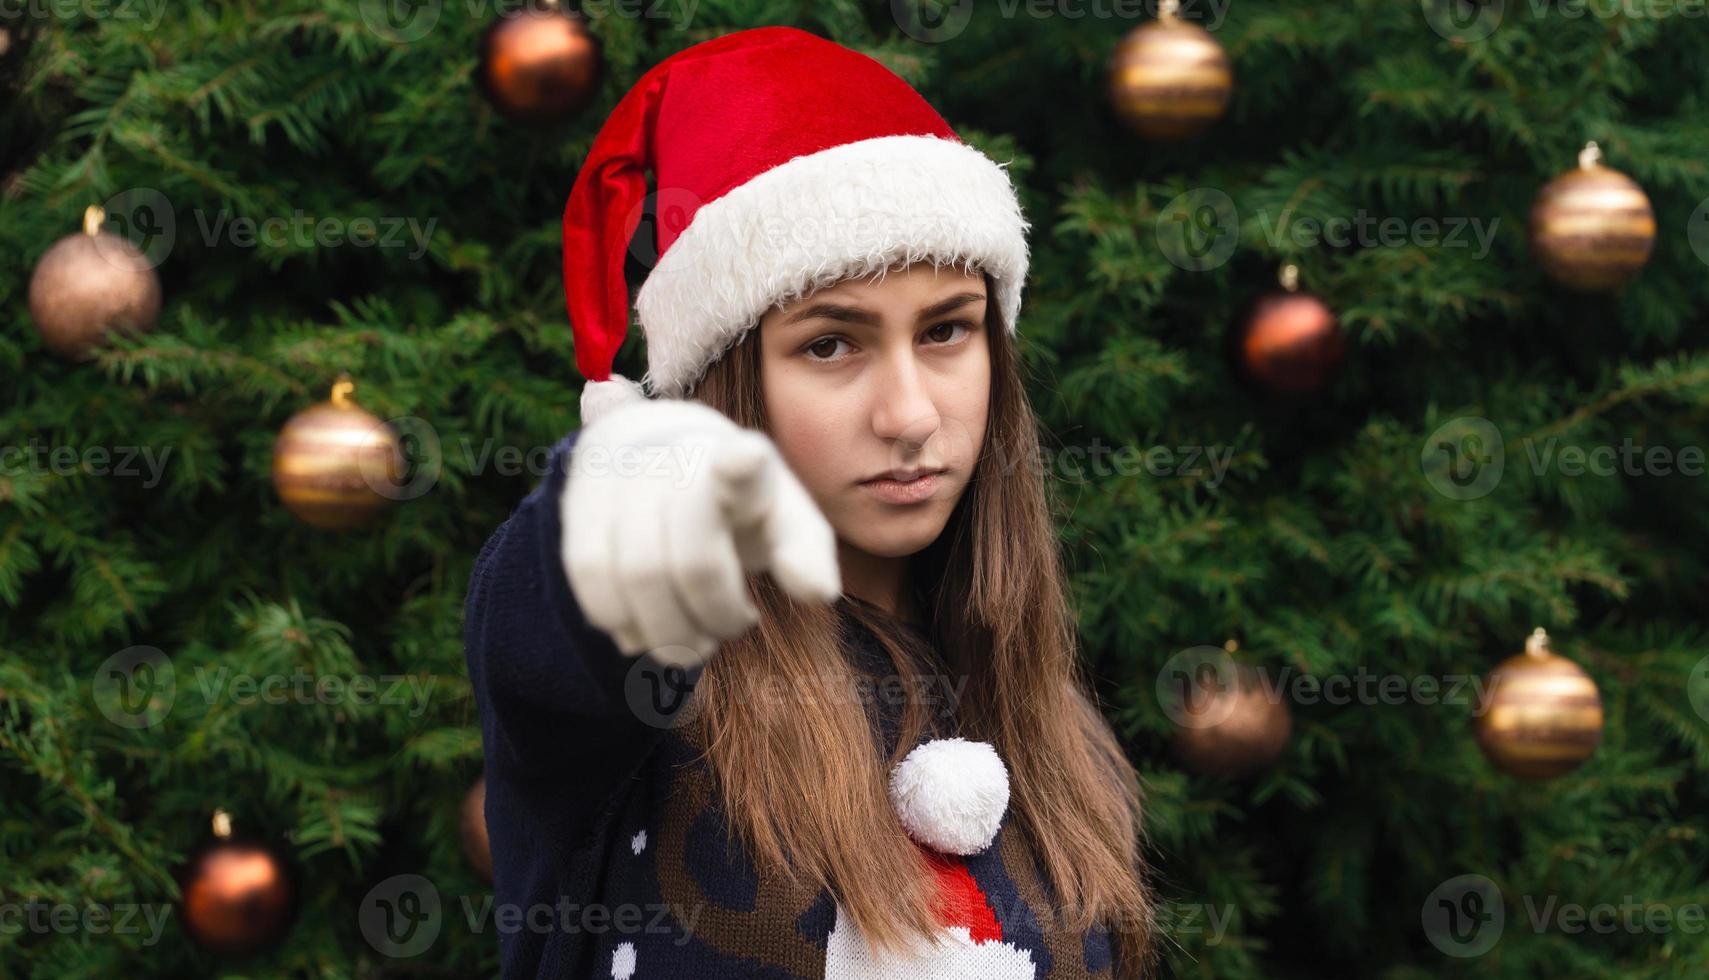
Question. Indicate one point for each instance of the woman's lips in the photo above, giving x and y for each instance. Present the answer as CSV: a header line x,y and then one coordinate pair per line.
x,y
904,492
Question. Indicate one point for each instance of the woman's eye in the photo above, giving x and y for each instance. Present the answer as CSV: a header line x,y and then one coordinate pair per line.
x,y
824,350
963,324
819,348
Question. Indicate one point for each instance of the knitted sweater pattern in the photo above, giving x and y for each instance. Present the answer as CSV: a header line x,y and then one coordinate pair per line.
x,y
611,853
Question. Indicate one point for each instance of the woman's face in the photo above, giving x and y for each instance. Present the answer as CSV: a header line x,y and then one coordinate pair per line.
x,y
876,375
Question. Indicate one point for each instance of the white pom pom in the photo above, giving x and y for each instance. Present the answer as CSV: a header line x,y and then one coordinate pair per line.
x,y
951,794
601,398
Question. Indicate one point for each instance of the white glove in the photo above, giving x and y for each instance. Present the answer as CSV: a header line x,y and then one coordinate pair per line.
x,y
667,506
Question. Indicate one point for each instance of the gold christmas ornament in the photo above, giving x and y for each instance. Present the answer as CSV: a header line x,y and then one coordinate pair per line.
x,y
1540,715
540,64
1168,80
335,465
1592,228
472,828
1232,729
89,285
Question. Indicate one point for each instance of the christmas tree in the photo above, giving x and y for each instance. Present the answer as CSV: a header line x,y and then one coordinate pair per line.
x,y
325,191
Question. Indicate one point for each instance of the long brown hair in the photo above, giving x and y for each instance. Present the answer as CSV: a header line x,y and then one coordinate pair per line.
x,y
800,777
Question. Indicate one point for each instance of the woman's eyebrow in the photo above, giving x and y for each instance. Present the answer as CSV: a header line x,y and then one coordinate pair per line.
x,y
856,314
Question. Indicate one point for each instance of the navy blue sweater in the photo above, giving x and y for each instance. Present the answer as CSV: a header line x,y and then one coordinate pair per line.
x,y
611,857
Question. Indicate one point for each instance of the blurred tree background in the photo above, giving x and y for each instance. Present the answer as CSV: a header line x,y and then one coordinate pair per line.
x,y
324,189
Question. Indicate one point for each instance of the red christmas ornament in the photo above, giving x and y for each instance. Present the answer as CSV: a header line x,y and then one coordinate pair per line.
x,y
472,828
1234,729
236,896
1287,341
539,64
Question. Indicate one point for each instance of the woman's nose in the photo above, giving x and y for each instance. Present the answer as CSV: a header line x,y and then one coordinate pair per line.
x,y
903,408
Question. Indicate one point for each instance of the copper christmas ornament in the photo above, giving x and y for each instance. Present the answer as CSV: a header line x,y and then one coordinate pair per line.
x,y
89,285
472,828
1235,730
1287,341
1168,80
334,463
236,896
1592,228
1540,715
539,64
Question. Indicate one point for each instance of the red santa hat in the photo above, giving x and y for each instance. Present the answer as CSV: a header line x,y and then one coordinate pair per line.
x,y
784,163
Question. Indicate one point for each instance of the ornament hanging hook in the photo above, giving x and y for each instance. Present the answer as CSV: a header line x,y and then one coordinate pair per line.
x,y
1168,9
1590,156
341,391
1537,644
94,216
1289,277
222,824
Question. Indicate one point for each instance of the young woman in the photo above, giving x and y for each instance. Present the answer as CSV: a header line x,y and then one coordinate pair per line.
x,y
829,530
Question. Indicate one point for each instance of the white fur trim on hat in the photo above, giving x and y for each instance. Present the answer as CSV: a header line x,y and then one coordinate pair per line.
x,y
951,794
849,211
601,398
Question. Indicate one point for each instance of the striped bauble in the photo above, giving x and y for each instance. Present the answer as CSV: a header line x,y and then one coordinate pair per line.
x,y
1540,715
1592,228
336,465
1168,79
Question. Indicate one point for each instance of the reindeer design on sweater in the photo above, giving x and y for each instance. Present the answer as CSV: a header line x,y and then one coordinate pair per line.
x,y
951,796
